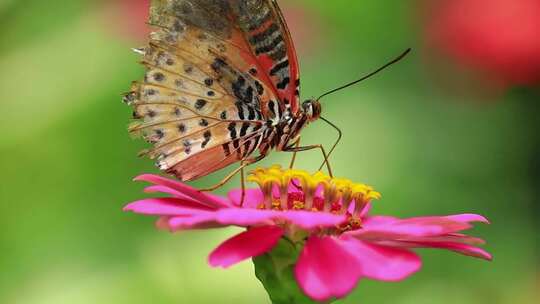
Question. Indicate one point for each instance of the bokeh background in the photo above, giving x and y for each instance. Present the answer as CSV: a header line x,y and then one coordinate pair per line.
x,y
454,128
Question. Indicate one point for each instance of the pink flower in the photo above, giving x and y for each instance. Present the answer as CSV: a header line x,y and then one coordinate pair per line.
x,y
326,217
499,38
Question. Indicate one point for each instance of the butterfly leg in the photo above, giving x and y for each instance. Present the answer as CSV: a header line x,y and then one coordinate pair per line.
x,y
295,145
243,183
244,163
312,147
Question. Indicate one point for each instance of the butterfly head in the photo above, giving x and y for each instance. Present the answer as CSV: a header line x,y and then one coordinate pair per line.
x,y
312,109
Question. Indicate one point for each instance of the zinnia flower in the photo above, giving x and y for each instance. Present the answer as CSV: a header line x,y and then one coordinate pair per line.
x,y
500,38
312,228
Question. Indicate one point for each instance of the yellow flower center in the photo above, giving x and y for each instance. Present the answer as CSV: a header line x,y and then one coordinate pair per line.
x,y
292,189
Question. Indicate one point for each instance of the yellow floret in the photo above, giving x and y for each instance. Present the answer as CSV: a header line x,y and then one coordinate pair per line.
x,y
334,189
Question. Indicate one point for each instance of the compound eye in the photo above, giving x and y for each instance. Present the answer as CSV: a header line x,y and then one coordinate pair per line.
x,y
308,108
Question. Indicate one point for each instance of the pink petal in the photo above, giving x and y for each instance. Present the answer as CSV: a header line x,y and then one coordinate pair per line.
x,y
383,263
188,191
222,201
464,249
296,186
167,206
310,220
468,218
252,199
381,228
453,238
469,251
245,217
379,220
366,210
432,225
326,270
304,219
177,223
250,243
199,221
465,239
351,208
166,190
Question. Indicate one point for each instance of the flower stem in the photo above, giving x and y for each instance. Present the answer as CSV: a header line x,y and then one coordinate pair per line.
x,y
275,270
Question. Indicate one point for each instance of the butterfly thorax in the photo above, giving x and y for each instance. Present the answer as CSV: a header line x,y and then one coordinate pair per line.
x,y
282,133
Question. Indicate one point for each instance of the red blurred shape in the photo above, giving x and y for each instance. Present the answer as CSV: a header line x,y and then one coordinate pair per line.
x,y
128,18
306,28
498,37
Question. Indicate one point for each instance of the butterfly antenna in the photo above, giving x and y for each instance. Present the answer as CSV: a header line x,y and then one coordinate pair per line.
x,y
340,135
367,76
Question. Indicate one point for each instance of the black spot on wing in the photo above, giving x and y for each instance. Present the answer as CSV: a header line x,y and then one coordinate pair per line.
x,y
203,123
278,53
207,137
248,98
244,129
262,36
159,133
187,146
218,64
226,149
240,109
223,115
236,144
259,87
232,130
251,113
271,107
159,77
283,84
278,67
269,47
200,104
257,21
182,128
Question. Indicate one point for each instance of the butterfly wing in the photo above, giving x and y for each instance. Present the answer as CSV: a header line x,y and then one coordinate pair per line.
x,y
271,43
207,93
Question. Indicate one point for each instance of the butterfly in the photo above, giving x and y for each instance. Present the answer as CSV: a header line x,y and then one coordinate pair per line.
x,y
221,86
222,82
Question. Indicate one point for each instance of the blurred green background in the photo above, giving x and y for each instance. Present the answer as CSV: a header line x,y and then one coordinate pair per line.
x,y
429,138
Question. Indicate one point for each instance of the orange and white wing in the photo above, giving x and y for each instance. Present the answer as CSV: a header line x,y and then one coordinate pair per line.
x,y
206,95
